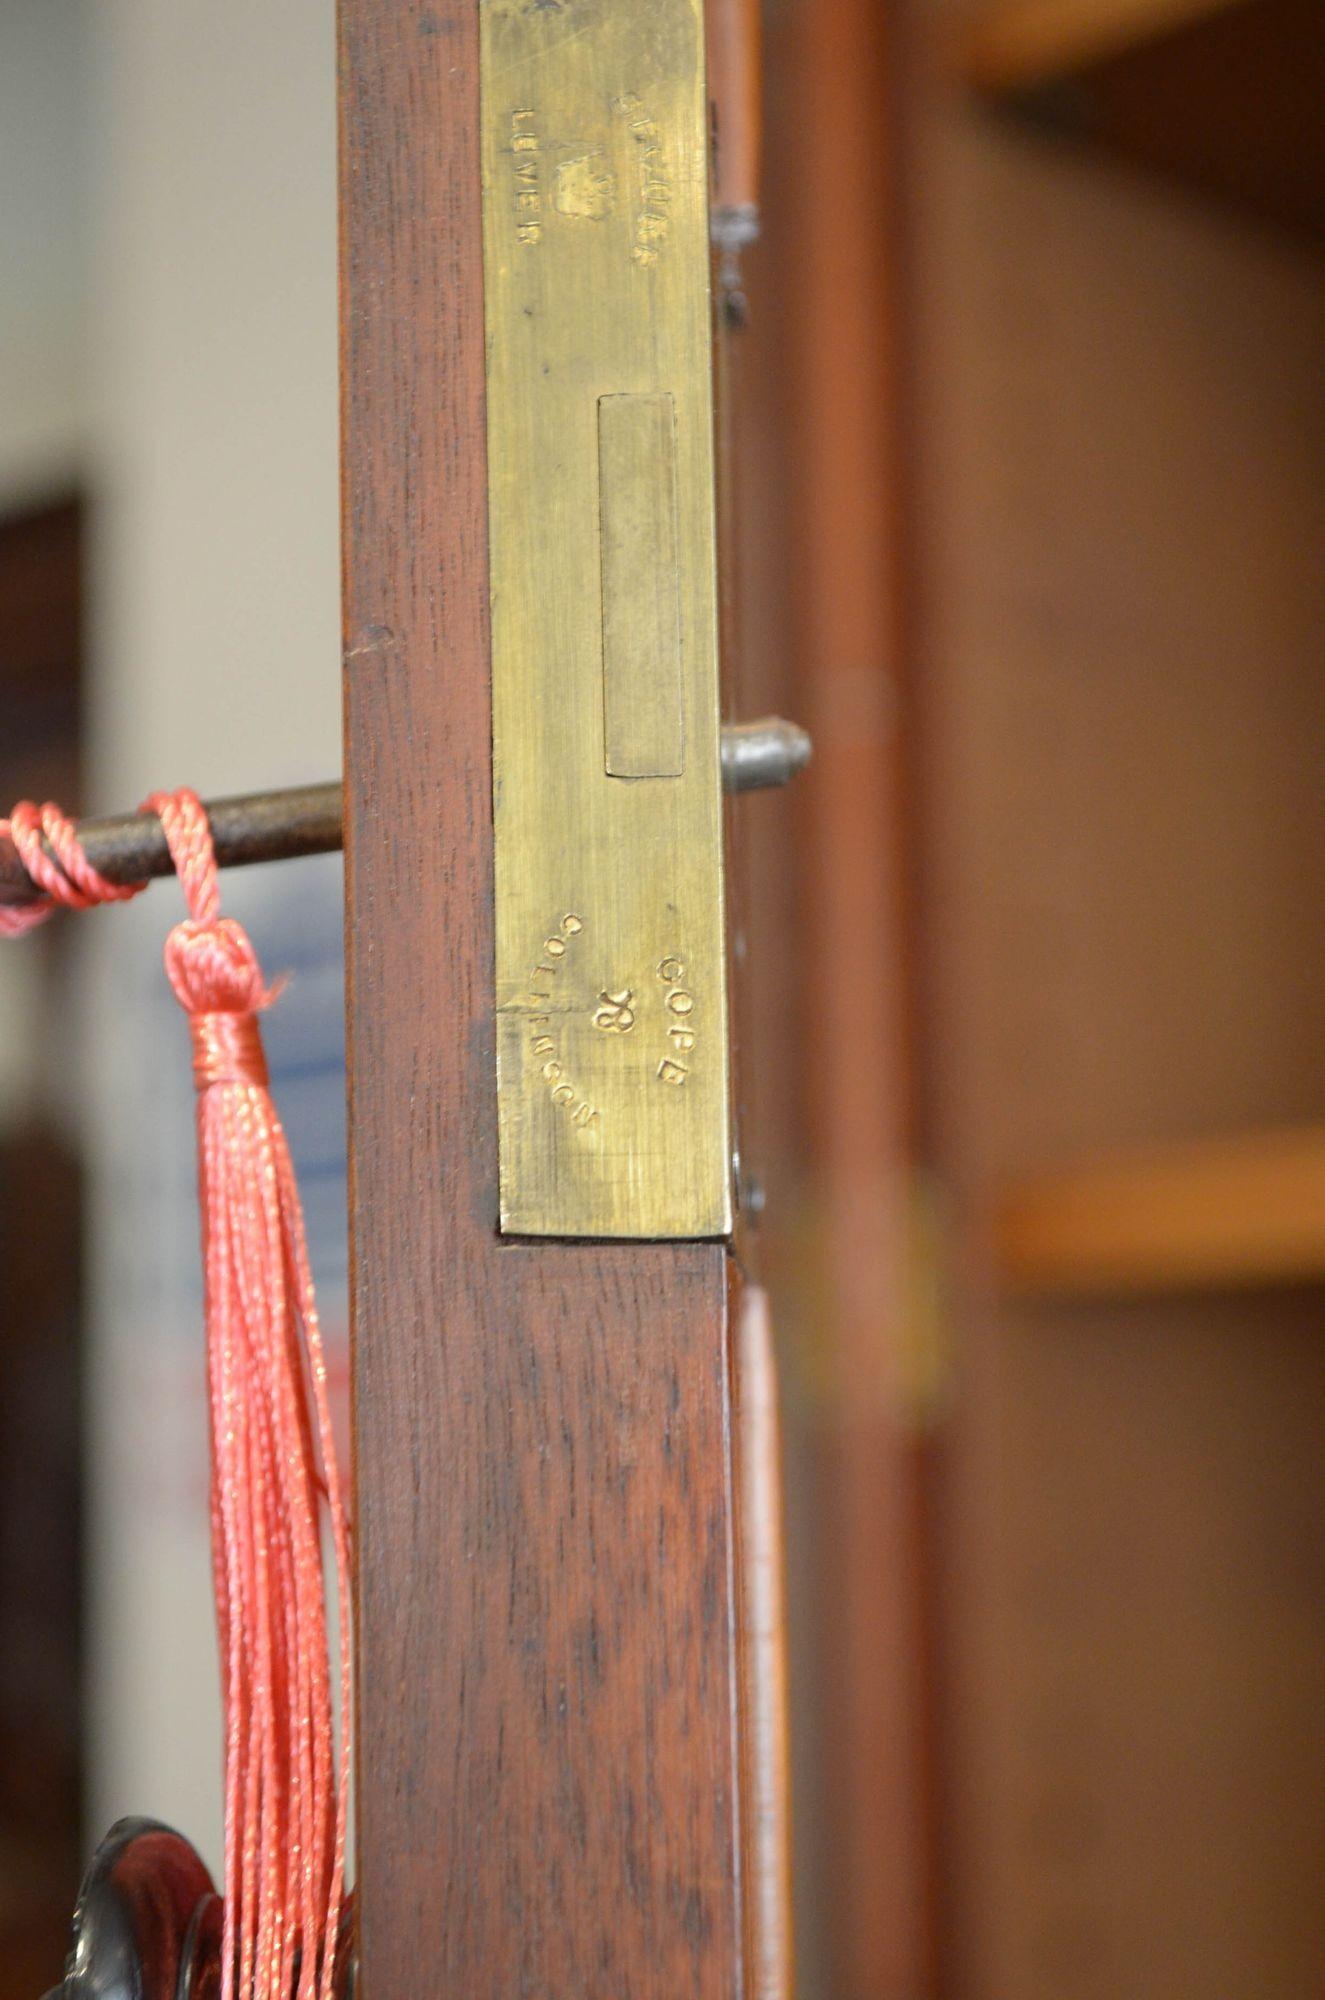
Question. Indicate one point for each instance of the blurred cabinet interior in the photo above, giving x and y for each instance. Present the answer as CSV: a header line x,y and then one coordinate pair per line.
x,y
1034,542
41,1575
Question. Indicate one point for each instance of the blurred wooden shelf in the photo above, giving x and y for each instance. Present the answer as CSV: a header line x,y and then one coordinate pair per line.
x,y
1224,94
1225,1213
1016,45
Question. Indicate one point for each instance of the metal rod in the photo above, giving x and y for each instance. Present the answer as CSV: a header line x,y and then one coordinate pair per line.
x,y
263,826
280,826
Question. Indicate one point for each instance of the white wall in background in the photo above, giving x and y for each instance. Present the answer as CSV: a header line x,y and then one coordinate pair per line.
x,y
213,417
42,103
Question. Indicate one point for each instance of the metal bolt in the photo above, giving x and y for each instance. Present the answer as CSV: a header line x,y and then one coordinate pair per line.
x,y
756,755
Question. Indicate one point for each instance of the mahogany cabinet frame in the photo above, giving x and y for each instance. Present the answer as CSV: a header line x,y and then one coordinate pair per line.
x,y
548,1797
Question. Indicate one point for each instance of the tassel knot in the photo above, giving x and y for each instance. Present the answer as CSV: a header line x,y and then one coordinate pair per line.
x,y
214,969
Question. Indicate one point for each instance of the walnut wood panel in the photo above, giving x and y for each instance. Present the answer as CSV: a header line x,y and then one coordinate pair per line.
x,y
1012,44
833,1122
41,1571
1123,429
1222,94
41,579
548,1795
1243,1210
41,617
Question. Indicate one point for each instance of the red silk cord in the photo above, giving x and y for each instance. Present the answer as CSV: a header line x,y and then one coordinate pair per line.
x,y
274,1466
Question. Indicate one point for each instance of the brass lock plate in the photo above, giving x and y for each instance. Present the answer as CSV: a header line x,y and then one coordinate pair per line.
x,y
611,1006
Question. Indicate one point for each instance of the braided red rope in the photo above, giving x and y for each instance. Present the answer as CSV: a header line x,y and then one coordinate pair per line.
x,y
273,1456
70,879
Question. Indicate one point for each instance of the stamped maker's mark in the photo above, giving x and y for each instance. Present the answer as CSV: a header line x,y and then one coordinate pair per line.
x,y
678,1009
653,179
526,155
570,1101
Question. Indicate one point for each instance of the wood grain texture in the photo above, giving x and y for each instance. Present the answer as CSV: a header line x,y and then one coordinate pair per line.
x,y
548,1794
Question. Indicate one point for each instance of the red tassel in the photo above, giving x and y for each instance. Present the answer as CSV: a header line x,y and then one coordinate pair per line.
x,y
274,1466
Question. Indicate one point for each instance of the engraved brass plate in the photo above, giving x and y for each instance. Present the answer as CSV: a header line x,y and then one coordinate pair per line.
x,y
643,704
612,1054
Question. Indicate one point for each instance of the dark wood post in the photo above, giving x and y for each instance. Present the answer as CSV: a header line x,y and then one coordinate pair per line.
x,y
547,1774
